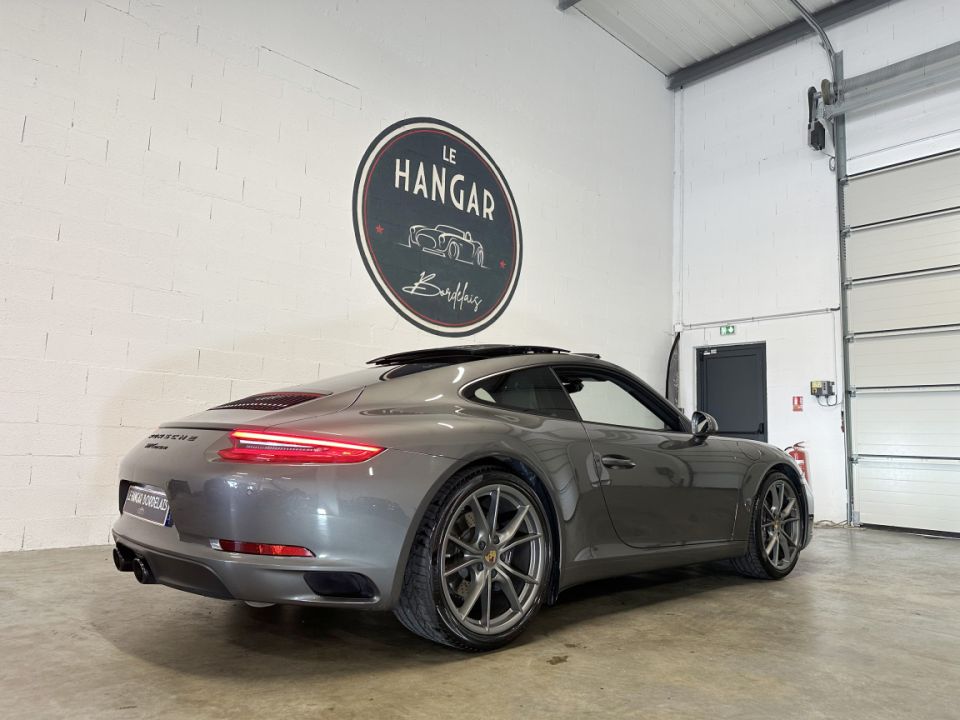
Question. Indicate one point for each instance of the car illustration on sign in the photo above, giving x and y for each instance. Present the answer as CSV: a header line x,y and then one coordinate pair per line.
x,y
446,240
460,487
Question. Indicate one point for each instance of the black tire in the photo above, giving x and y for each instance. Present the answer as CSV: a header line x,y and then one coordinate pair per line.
x,y
755,563
422,607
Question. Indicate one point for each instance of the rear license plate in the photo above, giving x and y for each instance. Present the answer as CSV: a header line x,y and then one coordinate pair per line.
x,y
147,503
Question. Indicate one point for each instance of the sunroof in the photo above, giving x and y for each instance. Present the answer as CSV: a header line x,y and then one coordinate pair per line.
x,y
462,353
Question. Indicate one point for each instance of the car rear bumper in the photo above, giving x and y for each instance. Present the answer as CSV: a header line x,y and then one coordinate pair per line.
x,y
357,520
234,576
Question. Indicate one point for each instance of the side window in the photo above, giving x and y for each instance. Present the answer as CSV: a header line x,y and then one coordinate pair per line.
x,y
602,399
535,390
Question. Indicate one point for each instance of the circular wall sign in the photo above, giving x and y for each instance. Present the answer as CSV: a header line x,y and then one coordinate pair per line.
x,y
437,227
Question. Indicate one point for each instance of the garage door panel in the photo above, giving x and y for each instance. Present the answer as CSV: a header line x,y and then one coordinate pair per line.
x,y
897,360
904,247
905,303
909,494
928,477
943,519
925,424
929,492
923,187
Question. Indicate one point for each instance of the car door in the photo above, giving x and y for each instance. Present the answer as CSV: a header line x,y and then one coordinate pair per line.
x,y
661,485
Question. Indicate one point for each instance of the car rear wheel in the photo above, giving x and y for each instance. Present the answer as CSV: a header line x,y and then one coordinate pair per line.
x,y
776,530
479,567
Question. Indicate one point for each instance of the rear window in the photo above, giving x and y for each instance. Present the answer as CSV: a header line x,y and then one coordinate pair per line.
x,y
362,378
399,371
533,390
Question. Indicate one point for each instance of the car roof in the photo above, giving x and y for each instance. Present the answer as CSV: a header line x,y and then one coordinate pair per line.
x,y
476,360
461,365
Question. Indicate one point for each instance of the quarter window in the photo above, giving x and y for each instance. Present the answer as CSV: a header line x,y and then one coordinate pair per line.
x,y
534,390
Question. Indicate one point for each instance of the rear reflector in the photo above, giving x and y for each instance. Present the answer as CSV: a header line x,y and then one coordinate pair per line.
x,y
263,447
249,548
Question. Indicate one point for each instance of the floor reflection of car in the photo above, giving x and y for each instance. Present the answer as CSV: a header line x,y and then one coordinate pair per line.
x,y
446,240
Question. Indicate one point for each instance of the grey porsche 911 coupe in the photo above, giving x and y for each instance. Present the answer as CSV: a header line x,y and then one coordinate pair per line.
x,y
461,487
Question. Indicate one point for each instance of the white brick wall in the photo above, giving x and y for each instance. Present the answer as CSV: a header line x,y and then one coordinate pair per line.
x,y
756,228
175,225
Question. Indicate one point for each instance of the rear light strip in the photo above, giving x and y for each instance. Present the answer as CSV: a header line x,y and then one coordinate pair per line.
x,y
251,548
263,447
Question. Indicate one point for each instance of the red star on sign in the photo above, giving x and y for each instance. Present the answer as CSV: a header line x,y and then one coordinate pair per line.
x,y
502,264
379,229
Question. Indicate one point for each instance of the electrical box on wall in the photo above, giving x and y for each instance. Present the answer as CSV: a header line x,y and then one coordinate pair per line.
x,y
822,388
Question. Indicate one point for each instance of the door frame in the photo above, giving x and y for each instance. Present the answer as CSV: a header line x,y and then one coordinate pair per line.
x,y
698,365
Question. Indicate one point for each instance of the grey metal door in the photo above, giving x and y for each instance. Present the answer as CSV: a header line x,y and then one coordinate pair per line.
x,y
732,386
902,292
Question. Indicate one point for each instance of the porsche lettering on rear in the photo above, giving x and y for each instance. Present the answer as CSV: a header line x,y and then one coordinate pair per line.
x,y
167,436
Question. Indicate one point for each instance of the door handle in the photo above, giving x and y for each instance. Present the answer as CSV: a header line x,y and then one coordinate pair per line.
x,y
617,462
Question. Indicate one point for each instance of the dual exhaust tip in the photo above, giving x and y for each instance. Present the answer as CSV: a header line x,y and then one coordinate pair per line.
x,y
126,560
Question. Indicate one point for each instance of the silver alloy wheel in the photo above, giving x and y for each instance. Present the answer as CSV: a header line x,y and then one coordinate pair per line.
x,y
780,525
493,559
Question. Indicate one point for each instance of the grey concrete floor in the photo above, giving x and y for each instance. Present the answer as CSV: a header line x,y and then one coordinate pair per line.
x,y
867,626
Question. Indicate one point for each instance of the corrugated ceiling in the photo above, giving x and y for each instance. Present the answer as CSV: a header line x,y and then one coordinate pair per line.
x,y
673,34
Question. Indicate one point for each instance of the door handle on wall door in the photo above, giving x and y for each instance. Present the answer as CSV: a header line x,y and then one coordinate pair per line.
x,y
617,462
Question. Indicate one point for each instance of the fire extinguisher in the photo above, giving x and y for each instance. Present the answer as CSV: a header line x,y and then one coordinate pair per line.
x,y
799,454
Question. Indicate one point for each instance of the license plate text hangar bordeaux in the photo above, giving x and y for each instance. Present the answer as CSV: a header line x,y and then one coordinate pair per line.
x,y
147,503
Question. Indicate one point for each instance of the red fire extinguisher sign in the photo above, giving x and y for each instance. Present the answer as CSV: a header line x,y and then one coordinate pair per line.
x,y
798,403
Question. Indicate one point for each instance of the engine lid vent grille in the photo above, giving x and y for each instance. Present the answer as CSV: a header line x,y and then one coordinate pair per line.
x,y
270,401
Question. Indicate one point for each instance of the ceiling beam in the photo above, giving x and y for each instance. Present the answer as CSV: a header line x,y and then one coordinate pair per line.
x,y
566,4
830,15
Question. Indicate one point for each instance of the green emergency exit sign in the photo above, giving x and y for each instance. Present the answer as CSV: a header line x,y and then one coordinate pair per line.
x,y
728,329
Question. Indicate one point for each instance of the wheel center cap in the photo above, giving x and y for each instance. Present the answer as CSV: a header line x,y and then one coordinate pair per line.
x,y
490,557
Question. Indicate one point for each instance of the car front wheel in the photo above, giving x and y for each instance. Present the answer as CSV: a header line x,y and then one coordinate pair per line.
x,y
479,567
776,532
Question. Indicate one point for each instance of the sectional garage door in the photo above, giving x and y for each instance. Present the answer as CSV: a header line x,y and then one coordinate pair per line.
x,y
903,305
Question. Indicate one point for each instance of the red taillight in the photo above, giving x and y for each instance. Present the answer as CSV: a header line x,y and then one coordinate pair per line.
x,y
263,447
250,548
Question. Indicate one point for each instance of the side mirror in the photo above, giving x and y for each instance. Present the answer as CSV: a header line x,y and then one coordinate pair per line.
x,y
704,425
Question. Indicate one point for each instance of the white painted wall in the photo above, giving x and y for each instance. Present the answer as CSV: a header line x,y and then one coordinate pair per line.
x,y
175,225
755,225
